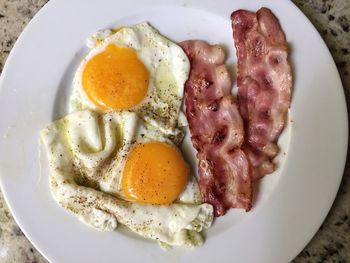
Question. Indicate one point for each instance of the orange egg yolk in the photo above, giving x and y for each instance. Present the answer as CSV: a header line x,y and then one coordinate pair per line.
x,y
154,173
115,78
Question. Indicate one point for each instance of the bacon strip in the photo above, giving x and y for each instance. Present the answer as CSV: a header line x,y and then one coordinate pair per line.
x,y
264,84
216,129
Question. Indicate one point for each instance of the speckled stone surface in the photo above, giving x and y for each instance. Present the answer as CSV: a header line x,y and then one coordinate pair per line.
x,y
332,241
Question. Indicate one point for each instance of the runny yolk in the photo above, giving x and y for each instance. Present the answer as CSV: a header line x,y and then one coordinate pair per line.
x,y
115,78
154,173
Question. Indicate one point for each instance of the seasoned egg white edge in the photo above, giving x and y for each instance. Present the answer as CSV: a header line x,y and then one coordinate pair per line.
x,y
62,184
97,38
191,194
113,133
176,224
172,69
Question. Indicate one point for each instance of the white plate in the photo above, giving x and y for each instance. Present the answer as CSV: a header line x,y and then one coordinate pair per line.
x,y
290,205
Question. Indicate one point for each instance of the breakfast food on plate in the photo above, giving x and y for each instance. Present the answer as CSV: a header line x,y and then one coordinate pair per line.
x,y
113,167
217,131
135,68
115,157
264,81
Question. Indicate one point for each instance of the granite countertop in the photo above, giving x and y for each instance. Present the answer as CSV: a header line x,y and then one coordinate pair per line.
x,y
332,241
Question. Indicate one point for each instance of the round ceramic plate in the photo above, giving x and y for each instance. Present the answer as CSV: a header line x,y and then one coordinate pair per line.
x,y
289,205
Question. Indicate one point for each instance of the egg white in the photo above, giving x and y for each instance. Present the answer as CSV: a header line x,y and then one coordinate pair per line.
x,y
86,152
168,68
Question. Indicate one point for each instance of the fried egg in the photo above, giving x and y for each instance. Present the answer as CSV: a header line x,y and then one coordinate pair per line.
x,y
136,69
113,167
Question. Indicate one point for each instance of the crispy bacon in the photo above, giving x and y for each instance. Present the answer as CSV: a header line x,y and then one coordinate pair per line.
x,y
264,84
216,129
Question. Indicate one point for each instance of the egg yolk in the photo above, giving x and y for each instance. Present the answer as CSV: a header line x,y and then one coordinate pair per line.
x,y
154,173
115,78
